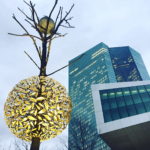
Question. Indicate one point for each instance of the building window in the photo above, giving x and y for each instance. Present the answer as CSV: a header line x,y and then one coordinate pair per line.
x,y
123,102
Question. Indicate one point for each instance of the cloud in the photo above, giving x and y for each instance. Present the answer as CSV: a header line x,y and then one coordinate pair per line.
x,y
117,23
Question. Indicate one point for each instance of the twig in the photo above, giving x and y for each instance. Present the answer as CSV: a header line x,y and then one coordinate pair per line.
x,y
62,19
67,22
32,60
56,1
57,70
37,16
67,13
34,21
49,48
27,3
45,34
61,12
20,24
30,23
34,42
67,26
66,65
58,15
28,16
24,35
58,36
24,14
40,52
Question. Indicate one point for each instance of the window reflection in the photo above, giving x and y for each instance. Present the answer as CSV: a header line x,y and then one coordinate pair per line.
x,y
123,102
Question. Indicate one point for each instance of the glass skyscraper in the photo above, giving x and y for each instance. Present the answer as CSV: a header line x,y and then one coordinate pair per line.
x,y
99,64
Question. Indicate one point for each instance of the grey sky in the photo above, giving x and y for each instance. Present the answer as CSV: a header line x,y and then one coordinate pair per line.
x,y
114,22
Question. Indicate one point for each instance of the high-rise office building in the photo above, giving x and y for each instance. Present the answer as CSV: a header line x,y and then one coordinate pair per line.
x,y
99,64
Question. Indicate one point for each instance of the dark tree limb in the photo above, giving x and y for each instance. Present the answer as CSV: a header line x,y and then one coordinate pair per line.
x,y
60,9
67,26
32,60
30,19
57,70
56,1
39,54
48,52
40,51
30,23
20,24
66,65
24,35
46,38
27,4
58,36
33,18
27,34
25,14
63,19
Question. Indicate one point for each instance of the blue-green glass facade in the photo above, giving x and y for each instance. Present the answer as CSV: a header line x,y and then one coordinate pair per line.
x,y
128,64
100,64
124,102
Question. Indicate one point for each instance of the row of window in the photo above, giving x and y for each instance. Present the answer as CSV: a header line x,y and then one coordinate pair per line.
x,y
123,102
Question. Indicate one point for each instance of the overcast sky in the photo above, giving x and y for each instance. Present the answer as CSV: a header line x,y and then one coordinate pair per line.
x,y
114,22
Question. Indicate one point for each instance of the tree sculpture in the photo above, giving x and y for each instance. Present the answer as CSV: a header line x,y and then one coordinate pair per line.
x,y
38,107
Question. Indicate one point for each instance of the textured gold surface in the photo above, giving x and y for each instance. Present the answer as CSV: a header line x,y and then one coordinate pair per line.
x,y
37,107
43,25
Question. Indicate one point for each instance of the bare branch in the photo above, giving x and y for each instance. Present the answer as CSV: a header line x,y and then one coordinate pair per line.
x,y
34,42
30,23
58,36
58,15
43,51
49,48
57,70
67,22
34,21
31,9
28,34
32,6
20,24
66,65
32,60
64,19
37,17
27,3
40,52
24,35
67,26
45,34
24,14
56,1
61,13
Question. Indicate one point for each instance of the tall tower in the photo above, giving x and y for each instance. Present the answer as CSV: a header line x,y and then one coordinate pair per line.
x,y
99,64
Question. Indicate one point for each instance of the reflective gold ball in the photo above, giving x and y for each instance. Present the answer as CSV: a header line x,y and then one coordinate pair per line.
x,y
37,107
42,25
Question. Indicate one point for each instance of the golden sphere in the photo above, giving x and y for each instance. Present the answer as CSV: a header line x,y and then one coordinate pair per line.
x,y
37,107
42,25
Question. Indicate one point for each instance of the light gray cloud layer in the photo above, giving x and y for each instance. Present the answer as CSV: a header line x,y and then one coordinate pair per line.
x,y
114,22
